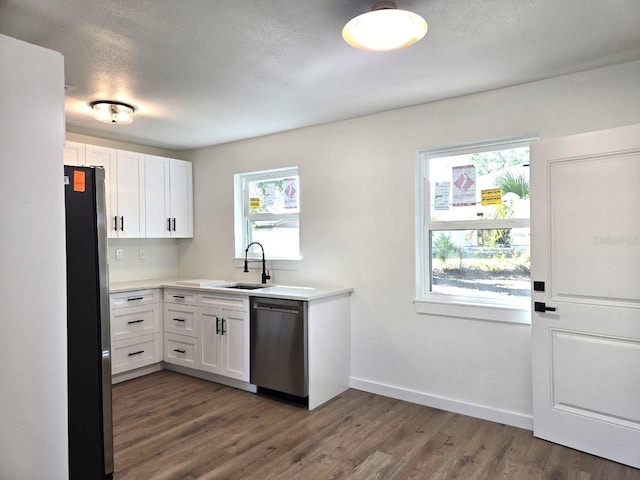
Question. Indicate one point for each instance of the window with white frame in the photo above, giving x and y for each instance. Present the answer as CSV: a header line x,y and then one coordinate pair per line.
x,y
474,238
267,212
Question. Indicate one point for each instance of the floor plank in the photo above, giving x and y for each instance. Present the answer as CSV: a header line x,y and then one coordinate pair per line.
x,y
169,426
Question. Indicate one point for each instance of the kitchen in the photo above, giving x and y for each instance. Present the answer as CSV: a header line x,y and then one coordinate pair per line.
x,y
357,230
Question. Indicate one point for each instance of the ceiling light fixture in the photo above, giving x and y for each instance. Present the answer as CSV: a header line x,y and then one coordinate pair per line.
x,y
117,113
384,28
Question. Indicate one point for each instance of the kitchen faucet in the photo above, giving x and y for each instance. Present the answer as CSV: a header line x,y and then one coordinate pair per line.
x,y
265,275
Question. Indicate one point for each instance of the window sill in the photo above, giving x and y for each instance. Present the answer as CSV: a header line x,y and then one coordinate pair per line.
x,y
474,311
271,263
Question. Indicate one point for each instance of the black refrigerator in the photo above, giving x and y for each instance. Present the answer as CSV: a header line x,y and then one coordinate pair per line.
x,y
88,335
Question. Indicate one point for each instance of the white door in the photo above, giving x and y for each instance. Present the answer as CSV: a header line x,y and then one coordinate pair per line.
x,y
236,345
130,195
585,224
156,173
74,154
106,158
210,320
181,178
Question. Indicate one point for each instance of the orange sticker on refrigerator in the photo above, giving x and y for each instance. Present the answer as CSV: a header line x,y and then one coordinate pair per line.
x,y
78,181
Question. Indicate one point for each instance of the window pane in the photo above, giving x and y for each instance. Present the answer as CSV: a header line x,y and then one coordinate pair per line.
x,y
460,183
273,195
279,237
482,263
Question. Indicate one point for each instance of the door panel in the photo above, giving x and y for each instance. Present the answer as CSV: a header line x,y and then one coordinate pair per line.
x,y
586,248
211,340
594,228
236,352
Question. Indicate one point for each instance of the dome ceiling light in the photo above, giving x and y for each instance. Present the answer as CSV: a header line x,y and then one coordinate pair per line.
x,y
384,28
116,113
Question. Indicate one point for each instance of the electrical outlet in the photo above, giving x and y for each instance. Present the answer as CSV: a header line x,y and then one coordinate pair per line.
x,y
119,254
143,254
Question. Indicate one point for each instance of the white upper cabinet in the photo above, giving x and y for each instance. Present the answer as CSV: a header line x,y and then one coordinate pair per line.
x,y
106,158
124,177
130,194
147,196
168,197
74,154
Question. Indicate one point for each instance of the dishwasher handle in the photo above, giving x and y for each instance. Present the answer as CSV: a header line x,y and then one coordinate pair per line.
x,y
274,308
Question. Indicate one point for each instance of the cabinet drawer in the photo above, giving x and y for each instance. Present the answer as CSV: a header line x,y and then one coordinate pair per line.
x,y
134,298
134,353
182,297
133,322
180,319
181,350
238,303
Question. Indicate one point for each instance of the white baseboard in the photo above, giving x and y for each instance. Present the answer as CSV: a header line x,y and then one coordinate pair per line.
x,y
138,372
486,413
211,377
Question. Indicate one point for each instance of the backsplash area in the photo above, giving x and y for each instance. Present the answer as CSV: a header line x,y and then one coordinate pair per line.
x,y
142,258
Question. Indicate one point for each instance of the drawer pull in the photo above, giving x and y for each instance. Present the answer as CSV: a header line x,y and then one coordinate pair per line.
x,y
217,326
223,331
136,353
178,319
179,351
133,299
179,296
134,321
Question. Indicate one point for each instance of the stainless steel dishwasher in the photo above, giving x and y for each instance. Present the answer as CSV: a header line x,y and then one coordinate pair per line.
x,y
279,348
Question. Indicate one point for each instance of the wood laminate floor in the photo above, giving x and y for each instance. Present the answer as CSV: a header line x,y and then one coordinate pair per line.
x,y
170,426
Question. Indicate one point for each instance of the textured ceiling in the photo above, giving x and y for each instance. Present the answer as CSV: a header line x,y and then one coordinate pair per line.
x,y
203,72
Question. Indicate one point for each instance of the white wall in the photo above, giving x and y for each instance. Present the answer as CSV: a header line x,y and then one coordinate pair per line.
x,y
33,357
161,254
357,228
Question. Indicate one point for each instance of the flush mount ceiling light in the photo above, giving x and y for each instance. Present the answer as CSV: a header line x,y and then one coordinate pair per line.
x,y
384,28
107,111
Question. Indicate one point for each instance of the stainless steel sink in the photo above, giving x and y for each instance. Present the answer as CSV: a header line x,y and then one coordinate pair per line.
x,y
243,286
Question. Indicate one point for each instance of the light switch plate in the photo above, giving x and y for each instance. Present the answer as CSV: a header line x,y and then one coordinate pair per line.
x,y
143,254
119,254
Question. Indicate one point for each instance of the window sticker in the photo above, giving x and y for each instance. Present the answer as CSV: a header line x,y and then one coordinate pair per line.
x,y
464,186
290,188
441,199
491,196
254,203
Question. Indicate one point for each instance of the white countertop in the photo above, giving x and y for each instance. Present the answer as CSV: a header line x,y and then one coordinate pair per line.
x,y
207,285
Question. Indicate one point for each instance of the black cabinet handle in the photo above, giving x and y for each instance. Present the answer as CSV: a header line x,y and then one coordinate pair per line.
x,y
122,224
136,353
174,224
179,351
179,296
541,307
132,299
134,321
115,223
169,224
217,326
179,319
223,330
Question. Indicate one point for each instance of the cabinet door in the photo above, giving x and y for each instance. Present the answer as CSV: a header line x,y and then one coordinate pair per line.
x,y
74,154
157,201
210,320
236,345
106,158
181,204
130,194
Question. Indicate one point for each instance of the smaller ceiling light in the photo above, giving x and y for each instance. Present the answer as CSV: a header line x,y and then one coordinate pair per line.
x,y
117,113
384,28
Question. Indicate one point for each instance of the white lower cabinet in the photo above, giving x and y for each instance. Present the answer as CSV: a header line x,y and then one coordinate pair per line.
x,y
135,353
181,328
181,350
135,330
224,338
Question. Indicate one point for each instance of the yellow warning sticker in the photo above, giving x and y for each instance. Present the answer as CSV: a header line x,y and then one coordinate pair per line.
x,y
254,203
491,196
